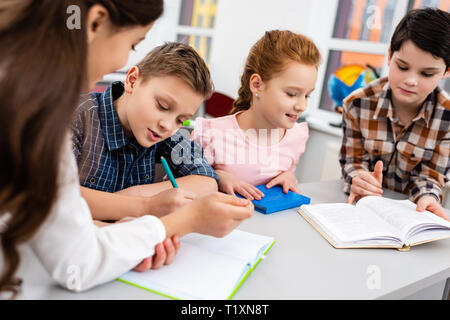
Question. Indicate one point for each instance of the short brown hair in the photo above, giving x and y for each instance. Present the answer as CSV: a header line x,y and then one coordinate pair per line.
x,y
179,60
428,29
269,55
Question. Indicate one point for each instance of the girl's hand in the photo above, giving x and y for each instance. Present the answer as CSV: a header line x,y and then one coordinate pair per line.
x,y
287,180
164,255
431,204
230,184
367,183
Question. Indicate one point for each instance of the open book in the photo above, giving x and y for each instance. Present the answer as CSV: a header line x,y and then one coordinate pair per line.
x,y
375,222
205,267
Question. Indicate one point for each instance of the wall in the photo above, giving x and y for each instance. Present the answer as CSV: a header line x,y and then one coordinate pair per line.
x,y
239,24
320,162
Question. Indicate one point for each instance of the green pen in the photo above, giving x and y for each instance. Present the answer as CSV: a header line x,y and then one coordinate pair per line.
x,y
169,173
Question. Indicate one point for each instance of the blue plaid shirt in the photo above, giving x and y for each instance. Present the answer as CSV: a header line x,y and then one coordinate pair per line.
x,y
109,161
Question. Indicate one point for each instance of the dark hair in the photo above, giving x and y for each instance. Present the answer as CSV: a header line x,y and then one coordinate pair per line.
x,y
180,60
36,104
428,28
269,55
127,13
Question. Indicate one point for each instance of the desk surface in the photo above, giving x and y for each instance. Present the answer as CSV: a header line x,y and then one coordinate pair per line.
x,y
300,265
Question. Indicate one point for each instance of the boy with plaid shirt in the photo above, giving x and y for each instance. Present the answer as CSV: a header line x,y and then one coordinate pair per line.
x,y
397,129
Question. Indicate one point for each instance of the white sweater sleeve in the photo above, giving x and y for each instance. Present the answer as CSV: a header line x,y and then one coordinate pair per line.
x,y
79,255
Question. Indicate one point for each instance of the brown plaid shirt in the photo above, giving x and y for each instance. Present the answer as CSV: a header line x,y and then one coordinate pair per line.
x,y
416,157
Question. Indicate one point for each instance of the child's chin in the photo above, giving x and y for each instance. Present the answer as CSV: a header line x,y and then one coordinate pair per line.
x,y
146,143
289,125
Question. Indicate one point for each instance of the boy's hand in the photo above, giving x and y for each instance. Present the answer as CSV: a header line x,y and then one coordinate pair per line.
x,y
287,180
367,183
169,200
230,184
164,255
431,204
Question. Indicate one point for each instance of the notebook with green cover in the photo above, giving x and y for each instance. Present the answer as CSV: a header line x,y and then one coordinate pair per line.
x,y
205,267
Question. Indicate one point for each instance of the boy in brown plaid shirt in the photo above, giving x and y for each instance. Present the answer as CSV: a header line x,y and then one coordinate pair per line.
x,y
397,129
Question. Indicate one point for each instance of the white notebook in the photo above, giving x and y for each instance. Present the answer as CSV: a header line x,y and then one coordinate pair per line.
x,y
205,267
375,222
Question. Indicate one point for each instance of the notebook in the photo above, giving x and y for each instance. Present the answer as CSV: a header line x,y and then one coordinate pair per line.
x,y
276,200
375,222
205,267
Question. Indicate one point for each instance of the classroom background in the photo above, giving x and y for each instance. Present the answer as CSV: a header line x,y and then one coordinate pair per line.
x,y
352,35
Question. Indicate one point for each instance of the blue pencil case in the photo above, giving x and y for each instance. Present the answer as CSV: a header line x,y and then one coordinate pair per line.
x,y
275,200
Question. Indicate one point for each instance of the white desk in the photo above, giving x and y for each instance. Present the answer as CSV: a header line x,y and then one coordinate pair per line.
x,y
300,265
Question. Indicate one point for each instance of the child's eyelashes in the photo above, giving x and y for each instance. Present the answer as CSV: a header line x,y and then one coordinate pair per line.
x,y
163,108
425,74
292,95
133,47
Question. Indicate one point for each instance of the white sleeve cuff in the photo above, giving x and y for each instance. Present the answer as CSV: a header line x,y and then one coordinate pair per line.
x,y
158,231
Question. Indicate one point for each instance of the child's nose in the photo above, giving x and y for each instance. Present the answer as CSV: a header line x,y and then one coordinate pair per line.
x,y
164,125
411,81
300,105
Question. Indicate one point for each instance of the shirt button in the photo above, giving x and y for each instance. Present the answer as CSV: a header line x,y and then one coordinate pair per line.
x,y
92,181
147,176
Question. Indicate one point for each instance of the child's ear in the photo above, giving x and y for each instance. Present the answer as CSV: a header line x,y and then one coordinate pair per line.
x,y
389,56
131,79
256,83
97,18
446,74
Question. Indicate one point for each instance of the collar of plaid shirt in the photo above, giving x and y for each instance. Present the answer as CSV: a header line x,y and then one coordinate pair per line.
x,y
385,109
112,129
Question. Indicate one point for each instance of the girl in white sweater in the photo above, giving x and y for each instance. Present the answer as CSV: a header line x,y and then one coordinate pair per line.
x,y
51,52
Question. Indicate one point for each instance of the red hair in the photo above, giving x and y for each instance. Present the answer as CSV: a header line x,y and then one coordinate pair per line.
x,y
269,55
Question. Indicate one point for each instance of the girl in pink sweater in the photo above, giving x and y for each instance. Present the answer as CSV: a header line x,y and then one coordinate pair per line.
x,y
261,141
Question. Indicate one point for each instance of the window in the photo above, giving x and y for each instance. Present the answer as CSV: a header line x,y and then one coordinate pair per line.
x,y
357,42
355,63
196,25
188,21
357,48
441,4
364,20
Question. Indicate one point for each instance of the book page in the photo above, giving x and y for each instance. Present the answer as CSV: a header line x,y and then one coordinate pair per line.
x,y
237,244
401,214
205,267
348,223
193,274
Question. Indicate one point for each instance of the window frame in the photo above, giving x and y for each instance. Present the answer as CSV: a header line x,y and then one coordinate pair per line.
x,y
324,39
